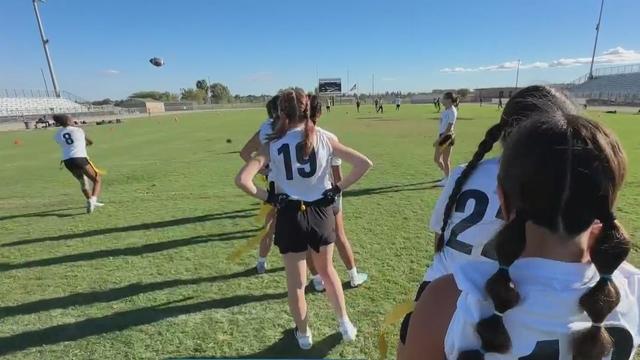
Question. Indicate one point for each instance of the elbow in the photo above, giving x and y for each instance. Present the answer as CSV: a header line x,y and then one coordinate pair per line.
x,y
239,181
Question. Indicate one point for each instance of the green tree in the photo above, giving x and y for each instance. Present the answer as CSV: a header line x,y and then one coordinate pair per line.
x,y
219,93
191,94
106,101
204,86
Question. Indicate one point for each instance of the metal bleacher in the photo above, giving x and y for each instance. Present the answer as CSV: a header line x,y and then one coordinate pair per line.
x,y
26,103
618,84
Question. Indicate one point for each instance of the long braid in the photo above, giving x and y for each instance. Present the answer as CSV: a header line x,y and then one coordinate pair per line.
x,y
491,137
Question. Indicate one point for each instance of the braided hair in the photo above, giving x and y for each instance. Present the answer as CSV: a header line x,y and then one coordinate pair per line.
x,y
524,103
293,109
562,173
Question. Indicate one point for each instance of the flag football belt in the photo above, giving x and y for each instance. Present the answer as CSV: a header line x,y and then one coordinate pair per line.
x,y
303,205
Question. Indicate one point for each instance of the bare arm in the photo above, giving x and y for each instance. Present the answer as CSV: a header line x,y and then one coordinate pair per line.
x,y
361,164
244,179
336,172
430,320
252,146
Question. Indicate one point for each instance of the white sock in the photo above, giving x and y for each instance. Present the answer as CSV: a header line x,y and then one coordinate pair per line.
x,y
316,277
353,273
93,199
307,332
345,321
262,259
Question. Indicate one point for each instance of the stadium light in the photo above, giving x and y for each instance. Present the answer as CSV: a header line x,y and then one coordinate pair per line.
x,y
45,45
595,44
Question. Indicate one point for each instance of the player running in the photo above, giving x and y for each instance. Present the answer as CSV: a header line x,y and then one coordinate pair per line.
x,y
467,214
342,242
73,143
246,153
446,138
560,288
299,157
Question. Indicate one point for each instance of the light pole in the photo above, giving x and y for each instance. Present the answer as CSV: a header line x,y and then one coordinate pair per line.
x,y
595,44
45,45
517,74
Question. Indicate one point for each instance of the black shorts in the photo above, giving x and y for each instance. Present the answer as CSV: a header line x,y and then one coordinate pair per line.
x,y
298,230
404,326
447,140
76,165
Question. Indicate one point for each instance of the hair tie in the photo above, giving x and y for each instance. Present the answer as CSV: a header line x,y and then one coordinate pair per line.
x,y
496,312
504,267
596,324
607,277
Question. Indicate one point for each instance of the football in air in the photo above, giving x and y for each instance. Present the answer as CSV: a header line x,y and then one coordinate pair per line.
x,y
156,61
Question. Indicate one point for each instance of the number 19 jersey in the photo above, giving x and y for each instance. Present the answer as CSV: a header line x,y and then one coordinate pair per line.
x,y
299,177
476,217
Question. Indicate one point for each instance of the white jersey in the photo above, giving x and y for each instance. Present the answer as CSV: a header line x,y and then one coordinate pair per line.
x,y
72,142
475,219
449,116
265,131
542,324
300,178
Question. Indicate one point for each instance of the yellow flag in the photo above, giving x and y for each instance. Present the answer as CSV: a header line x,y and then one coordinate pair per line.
x,y
247,246
395,315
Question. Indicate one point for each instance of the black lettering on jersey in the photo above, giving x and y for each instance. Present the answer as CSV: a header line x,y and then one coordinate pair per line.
x,y
481,202
622,346
544,350
309,164
67,138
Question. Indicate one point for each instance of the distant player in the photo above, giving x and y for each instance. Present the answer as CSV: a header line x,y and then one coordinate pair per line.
x,y
560,288
500,103
358,104
446,137
471,191
250,148
328,107
380,106
375,104
398,102
73,143
342,242
299,156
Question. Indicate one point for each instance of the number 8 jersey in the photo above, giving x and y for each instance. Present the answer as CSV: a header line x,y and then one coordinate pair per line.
x,y
299,177
476,217
72,142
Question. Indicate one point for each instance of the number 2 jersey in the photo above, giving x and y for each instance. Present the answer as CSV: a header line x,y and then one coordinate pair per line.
x,y
475,219
72,142
299,177
543,323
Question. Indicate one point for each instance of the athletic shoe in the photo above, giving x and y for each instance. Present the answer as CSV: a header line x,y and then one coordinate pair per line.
x,y
91,206
348,331
261,267
304,341
318,284
359,279
98,204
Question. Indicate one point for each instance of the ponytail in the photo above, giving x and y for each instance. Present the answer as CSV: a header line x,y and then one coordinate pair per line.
x,y
491,137
293,108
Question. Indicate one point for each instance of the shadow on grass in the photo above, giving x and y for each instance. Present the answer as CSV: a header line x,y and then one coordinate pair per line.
x,y
236,214
129,251
109,295
285,348
424,185
43,214
123,320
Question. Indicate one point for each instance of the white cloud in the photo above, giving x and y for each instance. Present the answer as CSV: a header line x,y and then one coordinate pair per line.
x,y
261,76
617,55
110,72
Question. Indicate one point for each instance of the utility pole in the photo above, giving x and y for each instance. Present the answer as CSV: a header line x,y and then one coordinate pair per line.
x,y
44,80
595,44
373,85
45,45
517,74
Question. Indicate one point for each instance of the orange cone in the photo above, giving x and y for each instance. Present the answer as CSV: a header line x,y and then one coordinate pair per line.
x,y
17,142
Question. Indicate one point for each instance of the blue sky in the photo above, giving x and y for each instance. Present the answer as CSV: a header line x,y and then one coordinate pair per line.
x,y
101,48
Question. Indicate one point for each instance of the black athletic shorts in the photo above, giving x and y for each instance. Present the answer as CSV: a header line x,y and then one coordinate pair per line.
x,y
76,165
298,229
447,140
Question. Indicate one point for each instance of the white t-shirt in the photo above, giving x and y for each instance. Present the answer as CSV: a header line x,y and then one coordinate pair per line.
x,y
475,219
447,117
300,178
265,130
72,142
541,325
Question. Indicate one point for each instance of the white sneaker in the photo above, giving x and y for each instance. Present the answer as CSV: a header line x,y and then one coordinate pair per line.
x,y
348,331
91,206
261,267
304,341
98,204
359,279
318,284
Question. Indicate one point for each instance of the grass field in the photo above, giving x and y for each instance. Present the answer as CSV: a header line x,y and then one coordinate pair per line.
x,y
146,276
